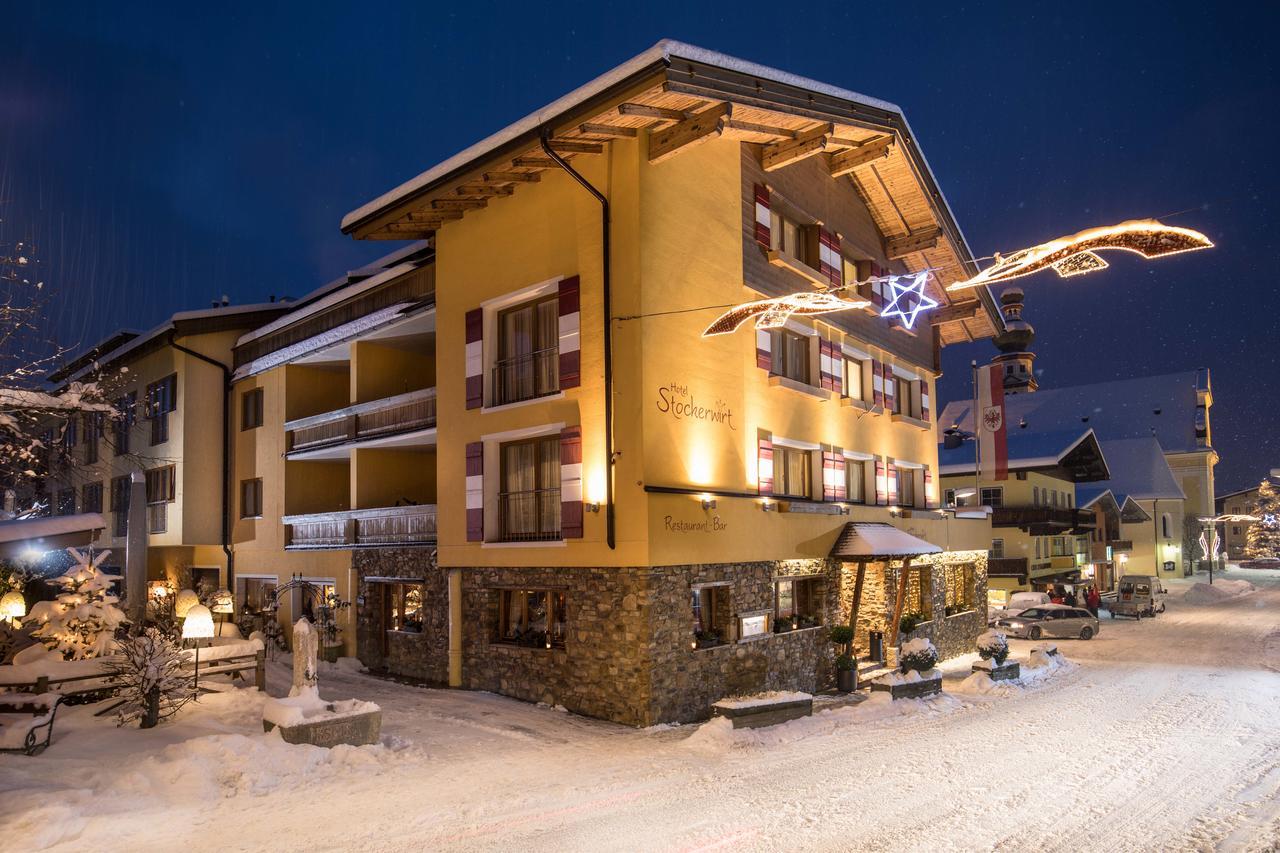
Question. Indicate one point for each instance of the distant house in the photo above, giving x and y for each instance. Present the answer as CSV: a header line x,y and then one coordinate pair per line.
x,y
1236,533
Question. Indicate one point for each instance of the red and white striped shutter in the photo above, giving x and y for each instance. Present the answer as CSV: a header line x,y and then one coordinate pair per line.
x,y
764,462
882,483
891,478
877,384
571,482
924,400
763,219
829,262
475,492
764,350
570,334
890,386
475,358
929,499
833,481
829,365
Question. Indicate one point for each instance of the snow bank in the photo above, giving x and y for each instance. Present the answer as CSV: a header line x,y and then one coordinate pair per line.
x,y
911,676
308,707
1203,593
981,684
757,699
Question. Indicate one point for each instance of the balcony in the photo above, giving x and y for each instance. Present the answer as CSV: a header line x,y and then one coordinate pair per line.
x,y
1007,567
362,528
373,421
1043,520
529,516
1118,545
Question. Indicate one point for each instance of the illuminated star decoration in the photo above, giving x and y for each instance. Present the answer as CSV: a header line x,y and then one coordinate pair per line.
x,y
909,299
1077,254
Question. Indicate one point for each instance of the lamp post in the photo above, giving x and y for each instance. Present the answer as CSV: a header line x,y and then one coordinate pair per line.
x,y
198,626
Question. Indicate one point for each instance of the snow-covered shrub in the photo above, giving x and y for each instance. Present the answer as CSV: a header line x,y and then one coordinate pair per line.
x,y
910,621
992,645
82,622
919,655
152,683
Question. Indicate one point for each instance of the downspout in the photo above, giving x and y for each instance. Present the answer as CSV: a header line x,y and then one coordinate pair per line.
x,y
610,534
1155,525
226,455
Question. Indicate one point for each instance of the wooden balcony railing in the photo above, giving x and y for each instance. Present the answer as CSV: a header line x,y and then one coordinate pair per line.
x,y
1044,520
358,528
1121,545
1007,567
390,416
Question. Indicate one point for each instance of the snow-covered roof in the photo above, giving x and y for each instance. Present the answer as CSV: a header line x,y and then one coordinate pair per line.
x,y
56,531
1160,406
1138,471
1028,448
877,539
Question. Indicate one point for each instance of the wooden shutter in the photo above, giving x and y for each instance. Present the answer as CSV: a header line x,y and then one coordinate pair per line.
x,y
877,383
764,462
924,400
833,477
475,492
830,264
891,478
475,358
928,488
571,482
570,334
829,364
764,350
763,219
882,483
890,386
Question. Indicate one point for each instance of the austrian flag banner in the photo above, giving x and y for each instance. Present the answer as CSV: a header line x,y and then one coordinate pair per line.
x,y
992,437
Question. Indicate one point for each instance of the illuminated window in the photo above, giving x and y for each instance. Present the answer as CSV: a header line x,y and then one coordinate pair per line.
x,y
855,475
853,378
162,398
906,486
402,607
787,235
531,617
528,363
791,472
253,595
710,610
790,355
529,503
797,604
960,588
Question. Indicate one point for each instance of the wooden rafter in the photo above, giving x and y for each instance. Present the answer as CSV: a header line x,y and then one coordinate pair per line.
x,y
646,111
512,177
896,248
954,313
606,130
765,129
806,144
459,203
708,124
534,162
483,190
845,162
561,146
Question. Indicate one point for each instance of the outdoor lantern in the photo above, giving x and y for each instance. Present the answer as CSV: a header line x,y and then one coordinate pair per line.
x,y
13,606
222,602
186,600
199,626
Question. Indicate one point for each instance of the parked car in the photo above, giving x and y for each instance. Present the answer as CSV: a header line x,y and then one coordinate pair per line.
x,y
1260,563
1138,596
1017,603
1050,620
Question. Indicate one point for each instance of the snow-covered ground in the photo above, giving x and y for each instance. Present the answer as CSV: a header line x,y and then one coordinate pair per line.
x,y
1159,734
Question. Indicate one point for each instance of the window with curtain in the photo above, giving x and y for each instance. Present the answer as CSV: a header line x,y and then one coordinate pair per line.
x,y
402,607
529,502
787,235
791,355
855,480
791,472
528,362
853,378
531,617
906,486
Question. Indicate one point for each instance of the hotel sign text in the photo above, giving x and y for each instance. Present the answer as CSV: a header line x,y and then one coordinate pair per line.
x,y
676,400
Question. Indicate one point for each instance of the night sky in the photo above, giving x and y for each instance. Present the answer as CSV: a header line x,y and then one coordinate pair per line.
x,y
161,158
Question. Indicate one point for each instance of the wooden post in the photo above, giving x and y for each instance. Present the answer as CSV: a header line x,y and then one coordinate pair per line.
x,y
857,601
897,605
260,671
42,684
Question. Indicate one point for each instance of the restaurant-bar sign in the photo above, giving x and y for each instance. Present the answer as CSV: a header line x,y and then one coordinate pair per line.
x,y
676,400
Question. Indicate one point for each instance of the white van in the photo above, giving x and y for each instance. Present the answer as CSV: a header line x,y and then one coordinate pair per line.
x,y
1138,596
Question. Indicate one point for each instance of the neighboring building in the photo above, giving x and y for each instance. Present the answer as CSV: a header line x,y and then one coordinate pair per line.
x,y
1235,534
1039,535
635,521
168,385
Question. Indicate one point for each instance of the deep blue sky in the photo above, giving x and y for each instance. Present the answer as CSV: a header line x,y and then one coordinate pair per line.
x,y
162,157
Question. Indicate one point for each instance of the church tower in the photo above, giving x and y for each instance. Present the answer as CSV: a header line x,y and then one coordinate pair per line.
x,y
1014,343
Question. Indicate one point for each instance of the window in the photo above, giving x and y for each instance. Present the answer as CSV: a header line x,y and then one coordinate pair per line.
x,y
1038,549
855,475
853,378
162,397
66,502
531,617
919,601
70,436
710,616
251,498
791,472
529,500
960,588
997,549
993,497
948,497
902,397
120,504
1235,530
1053,498
402,607
91,497
93,422
122,424
790,355
906,486
1035,496
788,236
528,363
251,409
797,604
253,595
1164,525
160,492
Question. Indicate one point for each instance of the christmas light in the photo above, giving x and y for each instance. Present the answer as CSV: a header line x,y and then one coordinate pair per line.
x,y
1076,254
773,313
922,301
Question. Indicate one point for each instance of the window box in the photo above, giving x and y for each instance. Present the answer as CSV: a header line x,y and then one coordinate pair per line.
x,y
910,421
789,262
776,381
855,403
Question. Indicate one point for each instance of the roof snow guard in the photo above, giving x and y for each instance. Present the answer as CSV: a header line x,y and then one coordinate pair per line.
x,y
869,540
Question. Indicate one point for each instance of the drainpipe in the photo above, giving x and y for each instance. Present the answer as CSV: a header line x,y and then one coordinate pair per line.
x,y
1155,530
545,139
226,455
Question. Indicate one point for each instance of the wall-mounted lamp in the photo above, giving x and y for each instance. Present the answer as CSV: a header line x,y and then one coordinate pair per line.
x,y
844,509
768,505
708,502
591,506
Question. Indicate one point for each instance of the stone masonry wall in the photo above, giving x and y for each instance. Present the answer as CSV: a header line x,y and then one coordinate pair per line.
x,y
425,655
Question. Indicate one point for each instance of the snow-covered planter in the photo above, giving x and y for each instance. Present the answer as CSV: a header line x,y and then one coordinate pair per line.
x,y
306,718
993,648
919,655
917,675
764,709
1043,654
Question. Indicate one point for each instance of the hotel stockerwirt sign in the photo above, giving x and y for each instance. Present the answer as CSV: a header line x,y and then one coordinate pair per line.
x,y
676,400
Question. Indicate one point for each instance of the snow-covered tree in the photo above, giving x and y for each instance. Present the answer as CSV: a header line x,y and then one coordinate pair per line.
x,y
152,682
82,621
1263,536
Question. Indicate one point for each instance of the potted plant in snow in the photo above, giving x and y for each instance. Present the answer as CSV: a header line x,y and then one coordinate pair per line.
x,y
917,676
846,663
993,648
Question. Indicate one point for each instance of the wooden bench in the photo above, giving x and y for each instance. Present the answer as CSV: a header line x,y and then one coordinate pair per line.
x,y
749,712
26,721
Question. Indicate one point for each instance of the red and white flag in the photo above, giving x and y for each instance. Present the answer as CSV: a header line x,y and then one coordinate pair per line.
x,y
992,436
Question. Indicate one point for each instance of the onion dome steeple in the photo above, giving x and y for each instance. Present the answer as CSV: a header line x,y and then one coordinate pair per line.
x,y
1014,344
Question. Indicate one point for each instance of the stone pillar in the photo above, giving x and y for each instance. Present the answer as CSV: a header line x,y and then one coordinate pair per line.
x,y
455,627
135,552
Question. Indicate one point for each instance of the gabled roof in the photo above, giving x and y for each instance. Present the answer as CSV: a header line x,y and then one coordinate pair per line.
x,y
1161,406
1139,471
1075,451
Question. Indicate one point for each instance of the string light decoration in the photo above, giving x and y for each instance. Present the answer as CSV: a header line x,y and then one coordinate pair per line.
x,y
773,313
1077,254
909,309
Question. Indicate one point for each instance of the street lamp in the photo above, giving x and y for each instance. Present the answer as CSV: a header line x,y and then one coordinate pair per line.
x,y
186,600
13,607
198,626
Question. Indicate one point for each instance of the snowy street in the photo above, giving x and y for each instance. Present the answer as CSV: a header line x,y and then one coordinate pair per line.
x,y
1164,734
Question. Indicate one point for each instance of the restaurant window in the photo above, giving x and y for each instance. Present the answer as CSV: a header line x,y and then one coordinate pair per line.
x,y
529,502
997,549
91,497
122,422
797,604
993,497
66,502
402,607
251,409
906,486
528,357
534,618
790,355
254,595
855,476
251,498
960,588
919,603
791,472
120,504
710,616
853,378
787,235
162,398
160,493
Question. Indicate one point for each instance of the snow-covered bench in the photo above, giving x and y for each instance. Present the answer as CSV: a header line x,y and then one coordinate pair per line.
x,y
26,721
764,709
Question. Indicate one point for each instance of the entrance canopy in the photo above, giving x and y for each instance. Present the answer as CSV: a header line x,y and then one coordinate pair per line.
x,y
34,536
869,540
